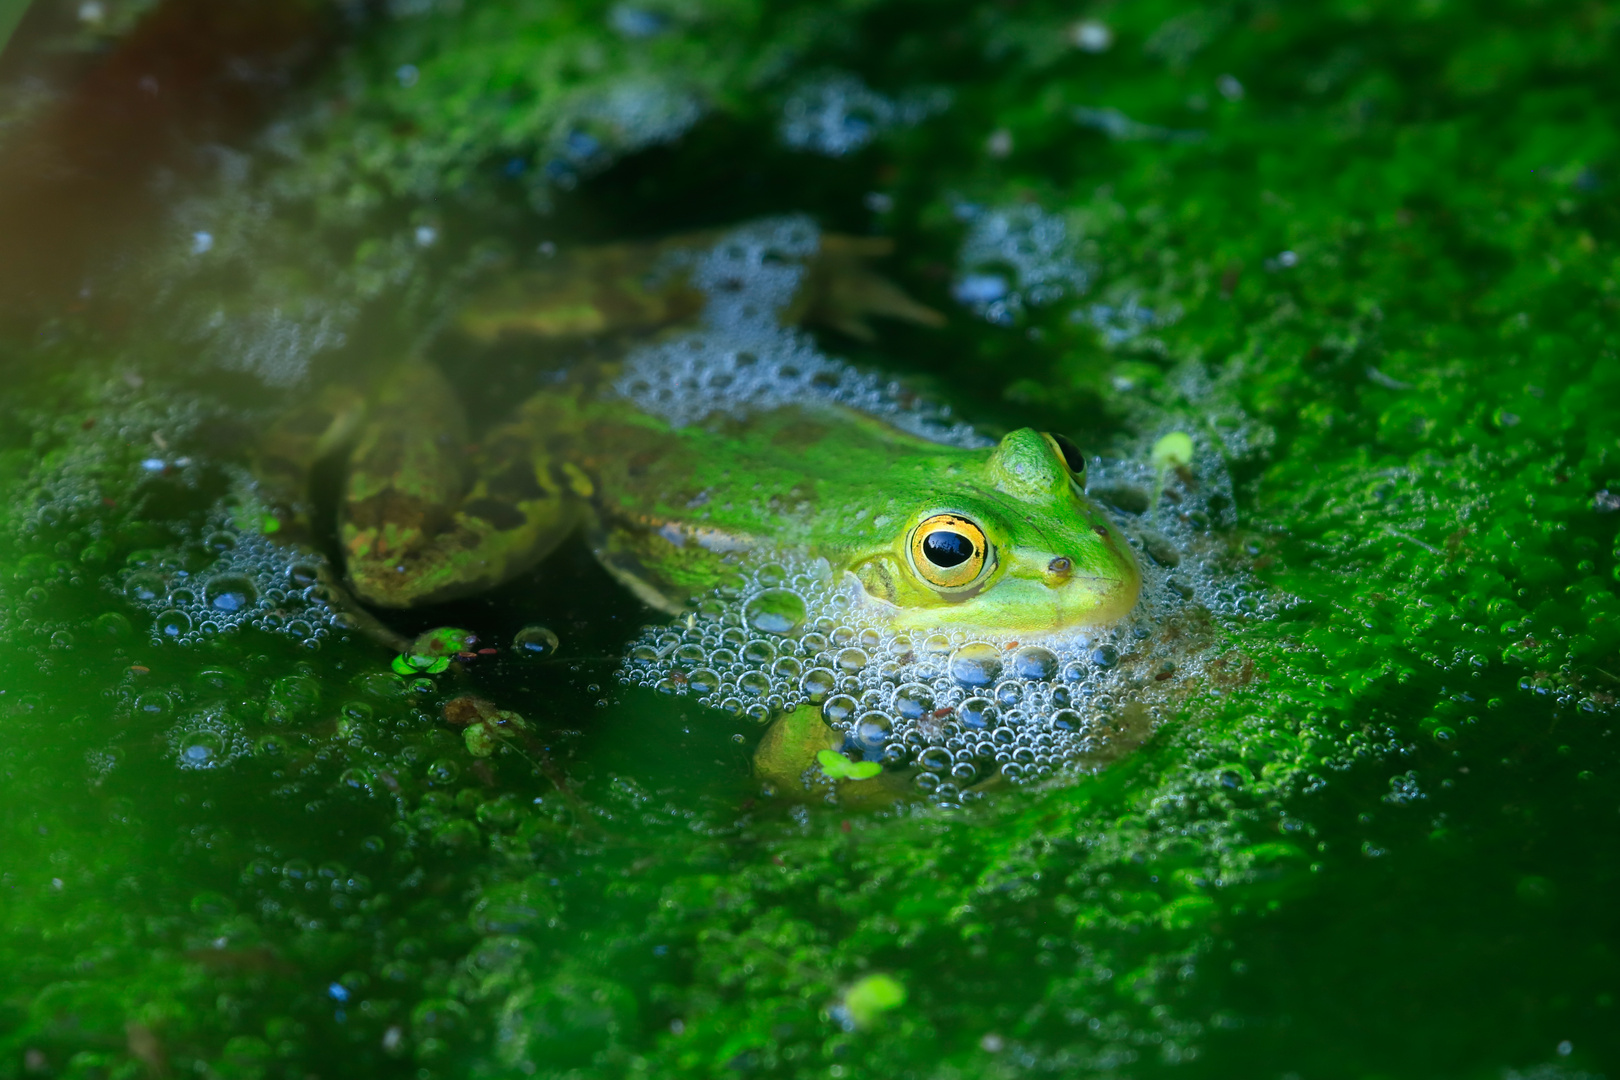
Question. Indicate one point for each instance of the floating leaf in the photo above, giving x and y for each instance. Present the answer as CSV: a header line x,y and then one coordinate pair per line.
x,y
839,767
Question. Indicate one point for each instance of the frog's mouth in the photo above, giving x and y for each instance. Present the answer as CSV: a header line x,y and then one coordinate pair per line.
x,y
1016,606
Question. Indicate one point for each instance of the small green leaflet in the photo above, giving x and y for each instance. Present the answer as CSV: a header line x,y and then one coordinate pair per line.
x,y
839,767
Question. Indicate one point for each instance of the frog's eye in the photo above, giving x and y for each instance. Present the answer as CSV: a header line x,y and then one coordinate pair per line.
x,y
948,550
1070,453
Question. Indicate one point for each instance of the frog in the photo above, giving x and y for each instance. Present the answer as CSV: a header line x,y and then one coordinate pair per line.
x,y
932,536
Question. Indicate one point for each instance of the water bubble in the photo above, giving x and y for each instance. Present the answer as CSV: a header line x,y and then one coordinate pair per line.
x,y
112,626
872,731
852,659
758,652
1066,720
703,680
535,642
272,746
786,669
1105,656
172,624
775,611
755,684
144,588
978,713
977,663
836,710
443,772
817,684
201,749
153,703
935,759
1009,693
1034,662
230,593
913,701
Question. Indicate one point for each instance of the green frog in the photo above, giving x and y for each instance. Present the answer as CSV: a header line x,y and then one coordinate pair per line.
x,y
931,535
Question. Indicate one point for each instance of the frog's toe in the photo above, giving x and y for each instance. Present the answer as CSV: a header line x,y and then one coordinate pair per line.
x,y
844,293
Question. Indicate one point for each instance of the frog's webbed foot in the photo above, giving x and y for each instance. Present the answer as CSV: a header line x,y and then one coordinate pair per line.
x,y
842,292
427,518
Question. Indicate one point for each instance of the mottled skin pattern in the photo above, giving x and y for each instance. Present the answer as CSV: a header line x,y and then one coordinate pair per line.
x,y
432,512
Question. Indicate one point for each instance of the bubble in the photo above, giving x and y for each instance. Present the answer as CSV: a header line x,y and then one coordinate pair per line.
x,y
913,701
755,684
935,759
358,778
145,588
836,710
758,652
272,746
112,626
1105,656
1035,662
1066,720
872,731
978,663
202,748
172,624
978,713
817,684
852,659
1026,243
836,114
443,772
775,611
153,703
295,695
703,680
230,593
535,642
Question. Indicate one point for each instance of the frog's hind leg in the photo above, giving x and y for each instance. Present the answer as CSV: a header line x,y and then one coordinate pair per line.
x,y
427,518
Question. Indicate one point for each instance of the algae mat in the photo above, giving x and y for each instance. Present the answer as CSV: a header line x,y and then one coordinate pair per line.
x,y
1365,251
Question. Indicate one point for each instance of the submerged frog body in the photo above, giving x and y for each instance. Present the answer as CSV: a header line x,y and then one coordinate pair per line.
x,y
993,539
692,456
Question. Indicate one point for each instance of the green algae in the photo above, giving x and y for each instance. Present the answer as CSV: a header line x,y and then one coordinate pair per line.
x,y
1376,843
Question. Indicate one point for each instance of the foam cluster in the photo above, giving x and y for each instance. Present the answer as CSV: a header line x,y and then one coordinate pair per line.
x,y
230,576
210,739
1015,258
954,708
741,361
619,119
837,114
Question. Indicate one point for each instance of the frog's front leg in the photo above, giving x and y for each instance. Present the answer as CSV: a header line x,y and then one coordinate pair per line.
x,y
426,518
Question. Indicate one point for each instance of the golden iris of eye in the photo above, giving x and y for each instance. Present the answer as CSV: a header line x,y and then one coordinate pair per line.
x,y
948,550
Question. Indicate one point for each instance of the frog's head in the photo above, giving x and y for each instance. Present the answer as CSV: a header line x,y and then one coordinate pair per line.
x,y
1006,542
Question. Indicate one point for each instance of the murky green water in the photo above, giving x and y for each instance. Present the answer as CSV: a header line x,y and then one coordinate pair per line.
x,y
1366,253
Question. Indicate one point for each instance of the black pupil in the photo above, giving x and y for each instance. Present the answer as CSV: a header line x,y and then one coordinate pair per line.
x,y
947,549
1072,457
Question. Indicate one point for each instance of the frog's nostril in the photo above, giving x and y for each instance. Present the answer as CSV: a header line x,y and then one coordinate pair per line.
x,y
1059,565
